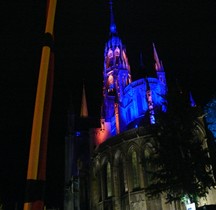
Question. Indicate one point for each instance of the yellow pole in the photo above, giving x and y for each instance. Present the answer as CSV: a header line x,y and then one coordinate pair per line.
x,y
38,115
39,102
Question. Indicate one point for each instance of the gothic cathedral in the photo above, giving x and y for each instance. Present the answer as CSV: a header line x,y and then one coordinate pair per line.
x,y
105,164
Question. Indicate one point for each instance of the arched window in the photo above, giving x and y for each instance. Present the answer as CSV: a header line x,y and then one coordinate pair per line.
x,y
122,178
135,174
108,180
109,61
147,165
110,82
117,54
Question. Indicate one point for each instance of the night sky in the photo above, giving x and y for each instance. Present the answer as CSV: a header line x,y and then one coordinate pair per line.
x,y
184,33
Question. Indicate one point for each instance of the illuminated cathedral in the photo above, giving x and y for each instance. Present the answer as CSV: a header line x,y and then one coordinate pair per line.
x,y
105,164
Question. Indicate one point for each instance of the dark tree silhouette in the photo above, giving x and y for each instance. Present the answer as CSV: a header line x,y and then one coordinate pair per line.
x,y
181,165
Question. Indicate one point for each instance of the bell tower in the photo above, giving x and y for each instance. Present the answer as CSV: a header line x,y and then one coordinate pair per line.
x,y
116,73
116,63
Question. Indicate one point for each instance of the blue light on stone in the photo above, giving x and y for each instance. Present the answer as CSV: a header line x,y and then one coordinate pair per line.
x,y
210,111
78,133
113,28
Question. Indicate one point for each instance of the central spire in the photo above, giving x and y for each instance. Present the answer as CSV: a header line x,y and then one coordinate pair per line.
x,y
113,29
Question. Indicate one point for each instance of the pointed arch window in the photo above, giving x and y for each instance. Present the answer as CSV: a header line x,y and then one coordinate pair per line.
x,y
135,174
148,168
109,185
110,82
117,54
122,178
108,180
109,61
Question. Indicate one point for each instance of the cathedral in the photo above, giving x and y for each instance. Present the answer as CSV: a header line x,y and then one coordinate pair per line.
x,y
105,159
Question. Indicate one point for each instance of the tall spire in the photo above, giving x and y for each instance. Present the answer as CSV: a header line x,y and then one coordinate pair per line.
x,y
84,109
113,29
159,66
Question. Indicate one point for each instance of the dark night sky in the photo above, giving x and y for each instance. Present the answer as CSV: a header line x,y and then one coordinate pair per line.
x,y
184,33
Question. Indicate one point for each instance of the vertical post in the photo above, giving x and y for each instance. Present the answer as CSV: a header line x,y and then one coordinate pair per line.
x,y
35,184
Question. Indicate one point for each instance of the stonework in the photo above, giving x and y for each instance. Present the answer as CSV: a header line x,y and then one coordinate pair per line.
x,y
109,162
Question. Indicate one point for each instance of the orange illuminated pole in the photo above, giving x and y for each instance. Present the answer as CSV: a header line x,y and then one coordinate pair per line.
x,y
37,155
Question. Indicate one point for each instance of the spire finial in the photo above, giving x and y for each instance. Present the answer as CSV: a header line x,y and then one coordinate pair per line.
x,y
112,23
157,61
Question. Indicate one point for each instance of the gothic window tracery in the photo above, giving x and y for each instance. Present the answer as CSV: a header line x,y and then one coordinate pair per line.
x,y
110,82
117,55
134,167
109,181
122,177
149,151
109,59
106,180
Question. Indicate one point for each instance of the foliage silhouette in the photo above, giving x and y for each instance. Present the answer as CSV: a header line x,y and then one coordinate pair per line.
x,y
180,164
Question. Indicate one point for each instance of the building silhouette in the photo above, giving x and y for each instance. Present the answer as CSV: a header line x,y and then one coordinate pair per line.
x,y
105,164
